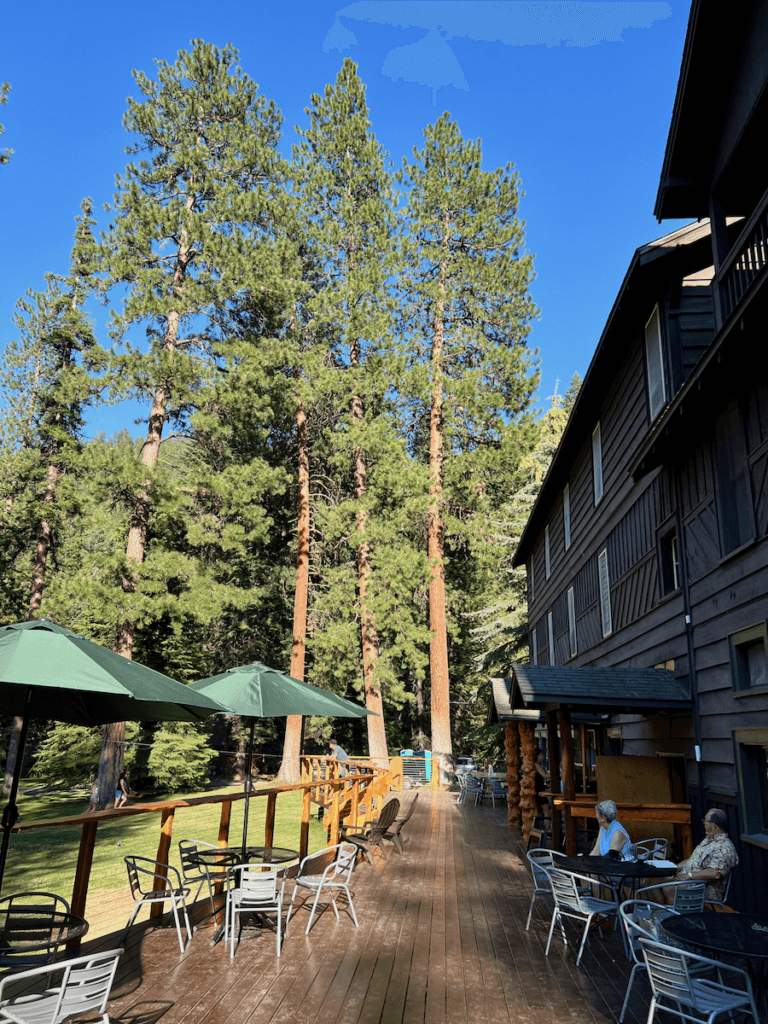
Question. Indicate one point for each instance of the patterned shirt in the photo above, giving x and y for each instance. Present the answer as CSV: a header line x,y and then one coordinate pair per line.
x,y
715,852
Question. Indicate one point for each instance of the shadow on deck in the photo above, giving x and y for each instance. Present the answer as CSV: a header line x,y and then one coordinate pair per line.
x,y
442,939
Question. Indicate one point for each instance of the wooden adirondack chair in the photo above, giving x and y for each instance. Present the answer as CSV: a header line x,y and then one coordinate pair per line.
x,y
373,833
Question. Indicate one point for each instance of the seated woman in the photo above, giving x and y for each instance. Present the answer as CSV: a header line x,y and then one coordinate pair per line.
x,y
612,834
711,861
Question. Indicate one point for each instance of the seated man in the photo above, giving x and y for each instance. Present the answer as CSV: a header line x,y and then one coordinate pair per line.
x,y
711,861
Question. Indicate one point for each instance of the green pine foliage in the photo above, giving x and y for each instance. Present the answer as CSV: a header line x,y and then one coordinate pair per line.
x,y
180,757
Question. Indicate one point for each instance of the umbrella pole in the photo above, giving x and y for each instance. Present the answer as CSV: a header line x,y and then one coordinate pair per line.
x,y
248,788
10,811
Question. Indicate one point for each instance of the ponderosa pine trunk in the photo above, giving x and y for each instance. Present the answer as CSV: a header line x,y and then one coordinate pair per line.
x,y
290,769
377,736
442,747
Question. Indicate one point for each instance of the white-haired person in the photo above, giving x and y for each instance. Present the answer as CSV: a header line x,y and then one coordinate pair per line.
x,y
612,835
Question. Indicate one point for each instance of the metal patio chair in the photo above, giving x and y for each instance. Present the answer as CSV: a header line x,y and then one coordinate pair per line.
x,y
540,860
253,889
652,849
677,990
334,876
689,896
84,987
144,871
192,871
573,904
43,905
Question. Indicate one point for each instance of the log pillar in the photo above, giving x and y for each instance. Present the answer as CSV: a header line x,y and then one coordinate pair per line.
x,y
554,775
528,804
569,778
512,747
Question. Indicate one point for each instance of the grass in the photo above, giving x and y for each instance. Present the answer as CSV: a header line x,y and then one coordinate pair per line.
x,y
45,859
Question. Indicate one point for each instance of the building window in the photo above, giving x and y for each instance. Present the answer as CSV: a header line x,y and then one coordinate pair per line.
x,y
547,568
605,592
597,463
530,578
670,573
752,767
749,667
567,515
551,638
733,485
534,648
572,622
654,357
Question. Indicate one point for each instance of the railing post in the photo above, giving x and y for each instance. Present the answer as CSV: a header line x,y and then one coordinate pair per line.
x,y
569,778
269,827
354,803
306,811
163,849
226,816
83,872
333,830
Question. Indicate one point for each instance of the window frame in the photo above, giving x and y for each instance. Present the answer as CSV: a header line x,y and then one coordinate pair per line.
x,y
752,789
550,638
739,665
669,562
567,515
725,490
547,559
573,642
654,412
597,464
605,593
534,648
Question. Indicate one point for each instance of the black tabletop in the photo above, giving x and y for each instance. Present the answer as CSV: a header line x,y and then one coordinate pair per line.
x,y
232,856
720,933
27,929
616,868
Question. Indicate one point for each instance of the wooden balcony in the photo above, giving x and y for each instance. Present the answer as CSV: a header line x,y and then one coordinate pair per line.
x,y
442,939
746,260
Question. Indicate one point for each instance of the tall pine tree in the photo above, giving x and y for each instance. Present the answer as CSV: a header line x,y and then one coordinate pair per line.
x,y
467,312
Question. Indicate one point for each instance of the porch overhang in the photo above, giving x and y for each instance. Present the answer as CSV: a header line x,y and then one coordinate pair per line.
x,y
589,691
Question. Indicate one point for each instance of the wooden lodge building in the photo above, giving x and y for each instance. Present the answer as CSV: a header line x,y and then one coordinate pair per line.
x,y
647,548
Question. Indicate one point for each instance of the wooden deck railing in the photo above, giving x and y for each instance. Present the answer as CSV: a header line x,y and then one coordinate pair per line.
x,y
748,256
366,788
672,814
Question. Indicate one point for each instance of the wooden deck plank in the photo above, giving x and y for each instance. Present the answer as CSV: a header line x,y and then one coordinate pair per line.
x,y
442,940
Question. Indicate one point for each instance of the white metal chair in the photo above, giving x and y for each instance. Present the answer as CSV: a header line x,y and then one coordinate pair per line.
x,y
571,903
14,909
474,788
145,870
675,988
192,871
84,987
724,901
335,876
253,889
540,860
689,896
652,849
461,779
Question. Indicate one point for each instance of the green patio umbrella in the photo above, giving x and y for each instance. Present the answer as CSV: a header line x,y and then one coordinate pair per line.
x,y
48,672
257,691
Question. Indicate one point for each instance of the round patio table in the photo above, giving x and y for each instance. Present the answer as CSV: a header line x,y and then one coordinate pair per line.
x,y
731,934
30,935
607,867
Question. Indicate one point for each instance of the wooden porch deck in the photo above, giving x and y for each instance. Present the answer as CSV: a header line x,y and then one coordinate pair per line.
x,y
442,940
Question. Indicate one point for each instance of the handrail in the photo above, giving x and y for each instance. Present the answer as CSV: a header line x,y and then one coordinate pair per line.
x,y
745,259
381,780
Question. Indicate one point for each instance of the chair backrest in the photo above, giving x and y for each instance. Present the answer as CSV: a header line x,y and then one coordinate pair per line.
x,y
142,869
565,889
473,785
386,816
652,849
411,808
344,863
689,897
256,883
668,974
540,860
633,911
187,850
38,900
84,987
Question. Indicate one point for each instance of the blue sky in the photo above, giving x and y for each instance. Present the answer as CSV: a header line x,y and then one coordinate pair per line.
x,y
578,95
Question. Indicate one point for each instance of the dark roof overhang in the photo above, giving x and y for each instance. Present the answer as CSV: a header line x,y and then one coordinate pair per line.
x,y
714,49
653,266
597,691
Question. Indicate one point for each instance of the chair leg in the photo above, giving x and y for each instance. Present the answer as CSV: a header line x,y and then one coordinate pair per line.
x,y
279,927
131,919
312,913
530,912
631,982
175,910
551,931
584,940
351,905
333,903
290,907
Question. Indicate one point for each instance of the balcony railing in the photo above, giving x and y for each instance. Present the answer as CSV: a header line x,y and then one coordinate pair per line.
x,y
745,261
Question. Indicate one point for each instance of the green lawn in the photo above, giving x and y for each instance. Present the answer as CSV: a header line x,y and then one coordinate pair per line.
x,y
45,859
